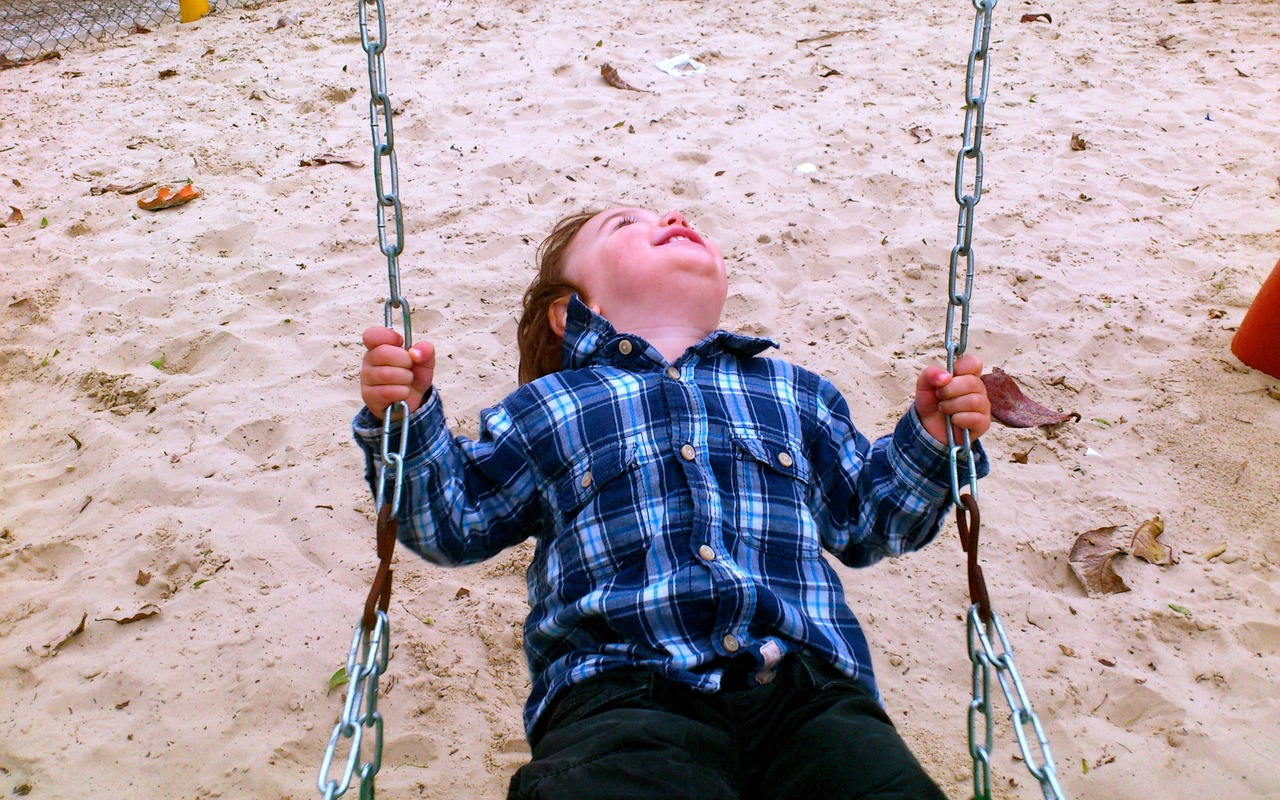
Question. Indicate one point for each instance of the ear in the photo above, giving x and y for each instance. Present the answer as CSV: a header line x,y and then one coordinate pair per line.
x,y
558,315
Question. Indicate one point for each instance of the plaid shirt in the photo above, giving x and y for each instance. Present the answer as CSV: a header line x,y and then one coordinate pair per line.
x,y
680,510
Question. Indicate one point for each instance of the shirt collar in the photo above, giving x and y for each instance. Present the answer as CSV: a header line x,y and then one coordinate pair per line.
x,y
590,340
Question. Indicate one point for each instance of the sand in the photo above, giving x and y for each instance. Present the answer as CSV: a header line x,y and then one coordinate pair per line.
x,y
176,387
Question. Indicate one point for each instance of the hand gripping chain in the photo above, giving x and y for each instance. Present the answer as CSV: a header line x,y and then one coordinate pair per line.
x,y
371,644
984,627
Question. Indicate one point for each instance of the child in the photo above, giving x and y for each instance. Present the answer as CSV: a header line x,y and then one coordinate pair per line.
x,y
685,639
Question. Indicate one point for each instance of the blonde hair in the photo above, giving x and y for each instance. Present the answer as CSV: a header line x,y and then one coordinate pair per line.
x,y
540,346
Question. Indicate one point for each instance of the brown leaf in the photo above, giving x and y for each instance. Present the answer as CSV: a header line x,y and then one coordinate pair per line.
x,y
1037,18
1067,651
1078,143
921,133
149,610
461,593
615,80
15,218
1106,662
1021,458
1090,560
143,578
329,158
823,37
1012,408
166,197
168,73
52,649
1145,546
132,188
8,63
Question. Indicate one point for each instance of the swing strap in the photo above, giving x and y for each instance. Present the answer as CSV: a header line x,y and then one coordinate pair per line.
x,y
380,592
969,521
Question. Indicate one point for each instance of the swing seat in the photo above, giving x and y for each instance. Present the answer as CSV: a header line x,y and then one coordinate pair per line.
x,y
1257,342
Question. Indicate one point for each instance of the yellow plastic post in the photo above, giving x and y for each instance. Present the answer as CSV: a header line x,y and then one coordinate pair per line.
x,y
192,10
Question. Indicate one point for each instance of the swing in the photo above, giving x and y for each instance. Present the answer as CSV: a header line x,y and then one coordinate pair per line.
x,y
989,648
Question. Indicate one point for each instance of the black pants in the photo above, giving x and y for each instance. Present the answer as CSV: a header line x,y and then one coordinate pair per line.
x,y
631,734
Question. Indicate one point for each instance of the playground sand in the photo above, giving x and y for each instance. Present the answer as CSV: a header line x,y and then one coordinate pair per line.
x,y
186,536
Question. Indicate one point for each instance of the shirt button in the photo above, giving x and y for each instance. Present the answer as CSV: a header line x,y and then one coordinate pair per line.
x,y
688,453
731,643
784,458
624,347
707,553
586,480
673,373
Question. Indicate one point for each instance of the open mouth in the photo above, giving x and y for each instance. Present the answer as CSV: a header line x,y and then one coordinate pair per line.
x,y
677,233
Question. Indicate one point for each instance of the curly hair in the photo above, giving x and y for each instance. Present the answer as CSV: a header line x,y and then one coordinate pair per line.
x,y
540,346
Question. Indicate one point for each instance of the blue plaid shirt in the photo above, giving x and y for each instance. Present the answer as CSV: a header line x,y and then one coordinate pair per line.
x,y
680,509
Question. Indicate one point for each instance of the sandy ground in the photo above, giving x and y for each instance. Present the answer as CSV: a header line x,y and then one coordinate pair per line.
x,y
176,387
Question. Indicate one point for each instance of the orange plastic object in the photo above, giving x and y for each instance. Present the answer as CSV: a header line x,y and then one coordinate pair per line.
x,y
1257,342
166,197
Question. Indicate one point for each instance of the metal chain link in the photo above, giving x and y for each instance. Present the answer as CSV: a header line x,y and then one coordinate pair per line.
x,y
371,644
983,622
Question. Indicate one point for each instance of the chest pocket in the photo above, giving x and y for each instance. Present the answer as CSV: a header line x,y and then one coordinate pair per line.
x,y
601,531
771,487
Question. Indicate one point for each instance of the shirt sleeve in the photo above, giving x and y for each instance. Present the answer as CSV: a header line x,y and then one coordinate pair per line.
x,y
462,500
882,498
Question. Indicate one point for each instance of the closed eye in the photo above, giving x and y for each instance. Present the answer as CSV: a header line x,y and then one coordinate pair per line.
x,y
627,220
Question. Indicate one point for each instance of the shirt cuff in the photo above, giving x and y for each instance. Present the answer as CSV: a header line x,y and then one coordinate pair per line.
x,y
925,462
427,435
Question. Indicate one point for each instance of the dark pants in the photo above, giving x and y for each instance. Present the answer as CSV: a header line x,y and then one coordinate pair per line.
x,y
631,734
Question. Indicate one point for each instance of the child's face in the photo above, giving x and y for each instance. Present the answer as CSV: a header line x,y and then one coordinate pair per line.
x,y
633,260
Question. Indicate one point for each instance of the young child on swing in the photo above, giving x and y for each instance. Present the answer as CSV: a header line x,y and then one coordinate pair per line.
x,y
686,638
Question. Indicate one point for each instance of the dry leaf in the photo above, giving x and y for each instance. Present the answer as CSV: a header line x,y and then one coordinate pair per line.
x,y
1214,552
1012,408
1078,143
615,80
52,649
166,197
143,578
8,63
823,37
1067,651
1021,458
1167,42
1145,546
1037,18
462,592
284,22
1090,560
15,218
329,158
168,73
921,133
149,610
121,188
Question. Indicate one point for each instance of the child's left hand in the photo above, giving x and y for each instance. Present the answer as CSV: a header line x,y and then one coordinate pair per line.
x,y
962,395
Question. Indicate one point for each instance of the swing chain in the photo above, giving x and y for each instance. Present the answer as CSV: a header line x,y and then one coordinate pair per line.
x,y
983,622
371,644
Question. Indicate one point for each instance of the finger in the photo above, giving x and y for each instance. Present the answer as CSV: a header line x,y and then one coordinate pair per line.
x,y
932,377
373,376
379,397
389,355
965,403
378,335
969,364
423,353
961,385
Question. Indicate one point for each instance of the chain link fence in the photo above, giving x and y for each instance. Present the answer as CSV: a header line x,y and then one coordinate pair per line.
x,y
32,30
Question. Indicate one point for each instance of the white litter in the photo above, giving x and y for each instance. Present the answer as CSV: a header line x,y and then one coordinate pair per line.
x,y
1089,451
807,169
680,66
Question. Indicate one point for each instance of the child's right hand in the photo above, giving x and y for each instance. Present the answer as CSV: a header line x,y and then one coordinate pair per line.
x,y
390,374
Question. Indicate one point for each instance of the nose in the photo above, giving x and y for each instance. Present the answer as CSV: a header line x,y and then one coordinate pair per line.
x,y
673,218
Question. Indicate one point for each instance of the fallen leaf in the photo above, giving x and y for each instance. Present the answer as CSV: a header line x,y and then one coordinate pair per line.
x,y
1078,143
615,80
52,649
15,218
1145,546
284,22
823,37
1067,651
1021,458
1106,662
1012,408
166,197
149,610
143,578
1167,42
132,188
338,679
1177,609
462,592
1090,560
921,133
8,63
139,29
168,73
1036,18
329,158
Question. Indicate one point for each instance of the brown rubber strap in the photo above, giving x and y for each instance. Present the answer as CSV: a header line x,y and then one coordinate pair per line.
x,y
380,592
969,521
